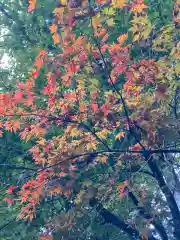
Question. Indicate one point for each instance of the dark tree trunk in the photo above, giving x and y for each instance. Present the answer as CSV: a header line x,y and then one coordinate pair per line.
x,y
114,220
142,211
168,194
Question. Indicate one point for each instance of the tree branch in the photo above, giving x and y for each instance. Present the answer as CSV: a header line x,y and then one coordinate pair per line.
x,y
142,211
111,152
114,220
168,194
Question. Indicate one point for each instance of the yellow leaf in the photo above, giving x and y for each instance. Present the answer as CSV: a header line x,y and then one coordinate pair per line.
x,y
96,21
58,10
149,99
102,159
110,22
146,32
74,132
63,2
28,137
177,68
109,11
120,107
136,37
95,82
79,197
41,141
119,3
91,146
103,133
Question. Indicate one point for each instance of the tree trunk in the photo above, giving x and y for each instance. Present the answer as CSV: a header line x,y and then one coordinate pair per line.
x,y
114,220
168,194
142,211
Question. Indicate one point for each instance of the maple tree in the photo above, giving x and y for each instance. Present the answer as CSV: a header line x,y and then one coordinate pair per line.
x,y
113,102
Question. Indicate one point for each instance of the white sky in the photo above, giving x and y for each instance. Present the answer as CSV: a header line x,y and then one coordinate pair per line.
x,y
4,62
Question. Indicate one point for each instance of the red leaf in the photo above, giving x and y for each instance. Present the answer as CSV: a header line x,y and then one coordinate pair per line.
x,y
94,95
18,96
94,107
70,95
105,109
8,200
11,189
35,74
73,67
73,168
62,174
82,108
29,100
2,110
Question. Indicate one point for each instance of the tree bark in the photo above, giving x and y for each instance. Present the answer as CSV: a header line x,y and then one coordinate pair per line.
x,y
168,194
114,220
142,211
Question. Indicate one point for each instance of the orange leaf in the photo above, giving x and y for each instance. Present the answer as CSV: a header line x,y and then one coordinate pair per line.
x,y
31,5
122,38
120,135
56,38
122,188
12,125
102,159
46,237
53,28
119,3
138,6
82,108
37,130
42,53
40,59
136,147
70,96
118,124
100,32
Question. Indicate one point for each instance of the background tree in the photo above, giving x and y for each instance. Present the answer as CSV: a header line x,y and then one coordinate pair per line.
x,y
99,114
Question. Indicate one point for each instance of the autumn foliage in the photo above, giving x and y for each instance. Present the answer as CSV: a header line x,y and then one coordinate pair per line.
x,y
94,115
